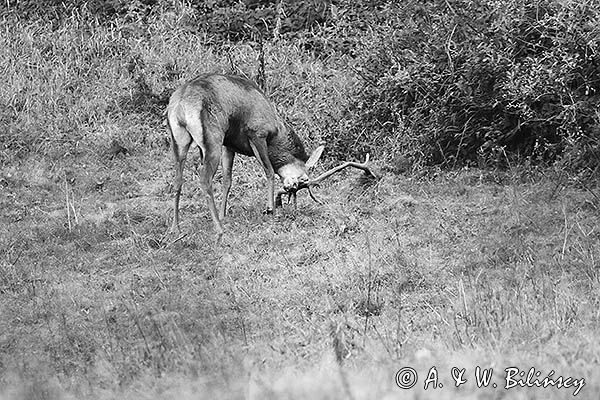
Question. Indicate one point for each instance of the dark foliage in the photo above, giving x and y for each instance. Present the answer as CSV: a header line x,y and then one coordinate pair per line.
x,y
234,20
225,19
479,81
57,10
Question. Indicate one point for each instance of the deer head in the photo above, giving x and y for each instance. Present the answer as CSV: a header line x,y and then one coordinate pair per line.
x,y
295,174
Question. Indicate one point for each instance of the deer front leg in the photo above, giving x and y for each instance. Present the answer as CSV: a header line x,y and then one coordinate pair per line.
x,y
259,148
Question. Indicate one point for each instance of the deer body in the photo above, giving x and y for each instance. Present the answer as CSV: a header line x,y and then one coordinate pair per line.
x,y
224,115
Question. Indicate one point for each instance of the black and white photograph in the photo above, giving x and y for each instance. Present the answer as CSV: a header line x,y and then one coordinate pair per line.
x,y
299,199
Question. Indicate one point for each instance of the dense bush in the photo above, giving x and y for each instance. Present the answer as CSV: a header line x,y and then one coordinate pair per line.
x,y
459,82
245,20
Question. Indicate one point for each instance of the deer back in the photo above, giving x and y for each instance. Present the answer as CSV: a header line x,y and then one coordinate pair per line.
x,y
237,111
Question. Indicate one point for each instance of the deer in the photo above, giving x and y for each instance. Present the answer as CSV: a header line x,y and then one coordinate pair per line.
x,y
224,115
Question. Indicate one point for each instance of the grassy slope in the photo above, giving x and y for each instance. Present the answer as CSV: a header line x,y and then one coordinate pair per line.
x,y
463,269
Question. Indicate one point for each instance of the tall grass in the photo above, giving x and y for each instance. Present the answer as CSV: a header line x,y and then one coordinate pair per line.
x,y
76,87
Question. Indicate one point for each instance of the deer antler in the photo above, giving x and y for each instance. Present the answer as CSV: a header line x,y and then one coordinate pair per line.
x,y
363,166
316,181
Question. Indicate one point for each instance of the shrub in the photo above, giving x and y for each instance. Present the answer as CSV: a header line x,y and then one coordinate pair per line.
x,y
455,83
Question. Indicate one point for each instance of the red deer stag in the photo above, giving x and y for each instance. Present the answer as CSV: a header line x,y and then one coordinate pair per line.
x,y
228,114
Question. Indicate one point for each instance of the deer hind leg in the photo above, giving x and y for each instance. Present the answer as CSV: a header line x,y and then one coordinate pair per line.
x,y
259,148
210,142
180,144
207,173
227,165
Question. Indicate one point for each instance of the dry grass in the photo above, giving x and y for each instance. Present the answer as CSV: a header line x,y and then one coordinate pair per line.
x,y
470,268
456,271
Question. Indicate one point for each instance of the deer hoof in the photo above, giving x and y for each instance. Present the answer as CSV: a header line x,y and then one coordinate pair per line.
x,y
174,230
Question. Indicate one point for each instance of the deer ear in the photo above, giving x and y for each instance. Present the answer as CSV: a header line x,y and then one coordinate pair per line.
x,y
314,157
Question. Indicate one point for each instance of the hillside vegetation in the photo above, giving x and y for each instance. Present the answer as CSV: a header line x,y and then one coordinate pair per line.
x,y
478,245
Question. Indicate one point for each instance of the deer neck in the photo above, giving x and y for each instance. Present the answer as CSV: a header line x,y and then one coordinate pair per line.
x,y
286,148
